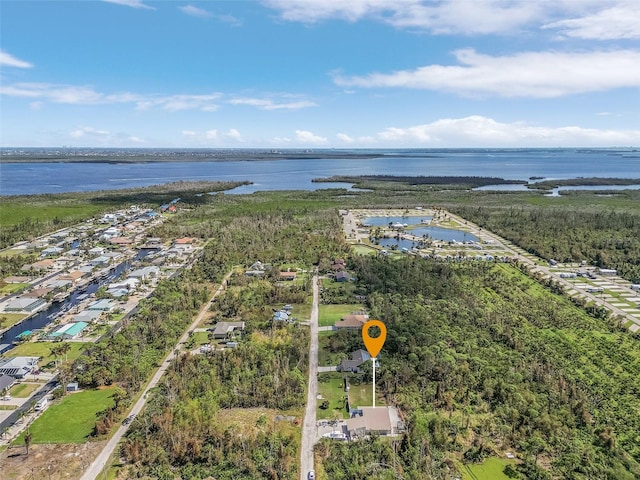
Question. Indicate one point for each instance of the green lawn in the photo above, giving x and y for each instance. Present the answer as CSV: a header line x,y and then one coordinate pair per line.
x,y
491,469
364,250
301,311
325,357
12,287
8,320
23,390
330,314
71,420
43,350
331,387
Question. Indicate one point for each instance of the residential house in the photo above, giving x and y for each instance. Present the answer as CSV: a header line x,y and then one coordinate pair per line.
x,y
96,251
14,279
38,293
103,305
145,273
373,420
40,266
280,316
6,381
25,304
120,241
223,329
255,270
288,276
342,276
357,359
87,316
18,367
100,261
51,252
74,276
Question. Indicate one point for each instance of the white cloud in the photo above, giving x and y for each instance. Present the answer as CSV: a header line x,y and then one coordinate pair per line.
x,y
82,95
8,60
479,131
195,11
306,137
268,104
94,136
234,134
345,138
620,21
526,74
439,16
211,134
90,132
189,133
131,3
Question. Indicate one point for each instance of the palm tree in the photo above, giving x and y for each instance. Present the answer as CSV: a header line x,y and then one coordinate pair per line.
x,y
64,349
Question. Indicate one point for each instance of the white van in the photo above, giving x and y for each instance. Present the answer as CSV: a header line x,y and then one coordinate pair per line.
x,y
41,404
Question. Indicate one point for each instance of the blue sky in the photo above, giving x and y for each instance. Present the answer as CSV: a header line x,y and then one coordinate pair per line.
x,y
320,73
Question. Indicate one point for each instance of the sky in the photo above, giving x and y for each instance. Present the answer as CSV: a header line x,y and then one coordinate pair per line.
x,y
320,73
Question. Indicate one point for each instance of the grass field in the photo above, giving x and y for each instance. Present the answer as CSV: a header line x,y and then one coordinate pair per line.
x,y
491,469
71,420
331,387
10,319
364,250
16,212
43,350
12,287
23,390
325,357
330,314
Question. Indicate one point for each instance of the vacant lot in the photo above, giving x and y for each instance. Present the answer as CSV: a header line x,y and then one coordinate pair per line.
x,y
490,469
8,320
43,350
23,390
330,314
71,419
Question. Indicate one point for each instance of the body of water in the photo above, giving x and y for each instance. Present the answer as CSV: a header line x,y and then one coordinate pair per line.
x,y
385,221
444,234
296,174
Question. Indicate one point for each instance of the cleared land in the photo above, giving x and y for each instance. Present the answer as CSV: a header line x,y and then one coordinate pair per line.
x,y
491,469
72,419
43,350
330,314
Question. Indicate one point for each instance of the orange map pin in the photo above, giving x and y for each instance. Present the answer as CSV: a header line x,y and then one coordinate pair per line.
x,y
374,345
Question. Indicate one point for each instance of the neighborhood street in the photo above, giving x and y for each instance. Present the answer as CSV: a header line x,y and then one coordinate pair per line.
x,y
101,460
309,426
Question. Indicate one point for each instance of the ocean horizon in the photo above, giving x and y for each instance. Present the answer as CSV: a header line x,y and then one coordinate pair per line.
x,y
57,170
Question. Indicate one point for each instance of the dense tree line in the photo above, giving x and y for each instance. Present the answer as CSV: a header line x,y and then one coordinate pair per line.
x,y
602,237
129,356
485,360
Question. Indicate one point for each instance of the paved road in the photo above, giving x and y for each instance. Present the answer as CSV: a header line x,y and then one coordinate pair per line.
x,y
101,460
309,426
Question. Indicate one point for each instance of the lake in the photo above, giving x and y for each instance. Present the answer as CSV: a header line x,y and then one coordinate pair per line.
x,y
296,174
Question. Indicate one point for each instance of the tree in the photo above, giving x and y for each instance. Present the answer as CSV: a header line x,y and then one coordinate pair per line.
x,y
27,441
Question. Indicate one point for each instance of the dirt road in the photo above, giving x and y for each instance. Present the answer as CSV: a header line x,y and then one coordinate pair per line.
x,y
309,426
101,460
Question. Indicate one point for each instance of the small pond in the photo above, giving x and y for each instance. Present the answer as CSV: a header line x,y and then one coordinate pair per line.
x,y
385,221
444,234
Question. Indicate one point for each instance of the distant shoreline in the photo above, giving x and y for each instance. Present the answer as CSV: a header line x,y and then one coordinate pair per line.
x,y
187,157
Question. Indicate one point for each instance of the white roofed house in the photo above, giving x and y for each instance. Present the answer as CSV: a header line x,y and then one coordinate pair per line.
x,y
100,261
25,304
145,273
18,367
96,251
103,305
